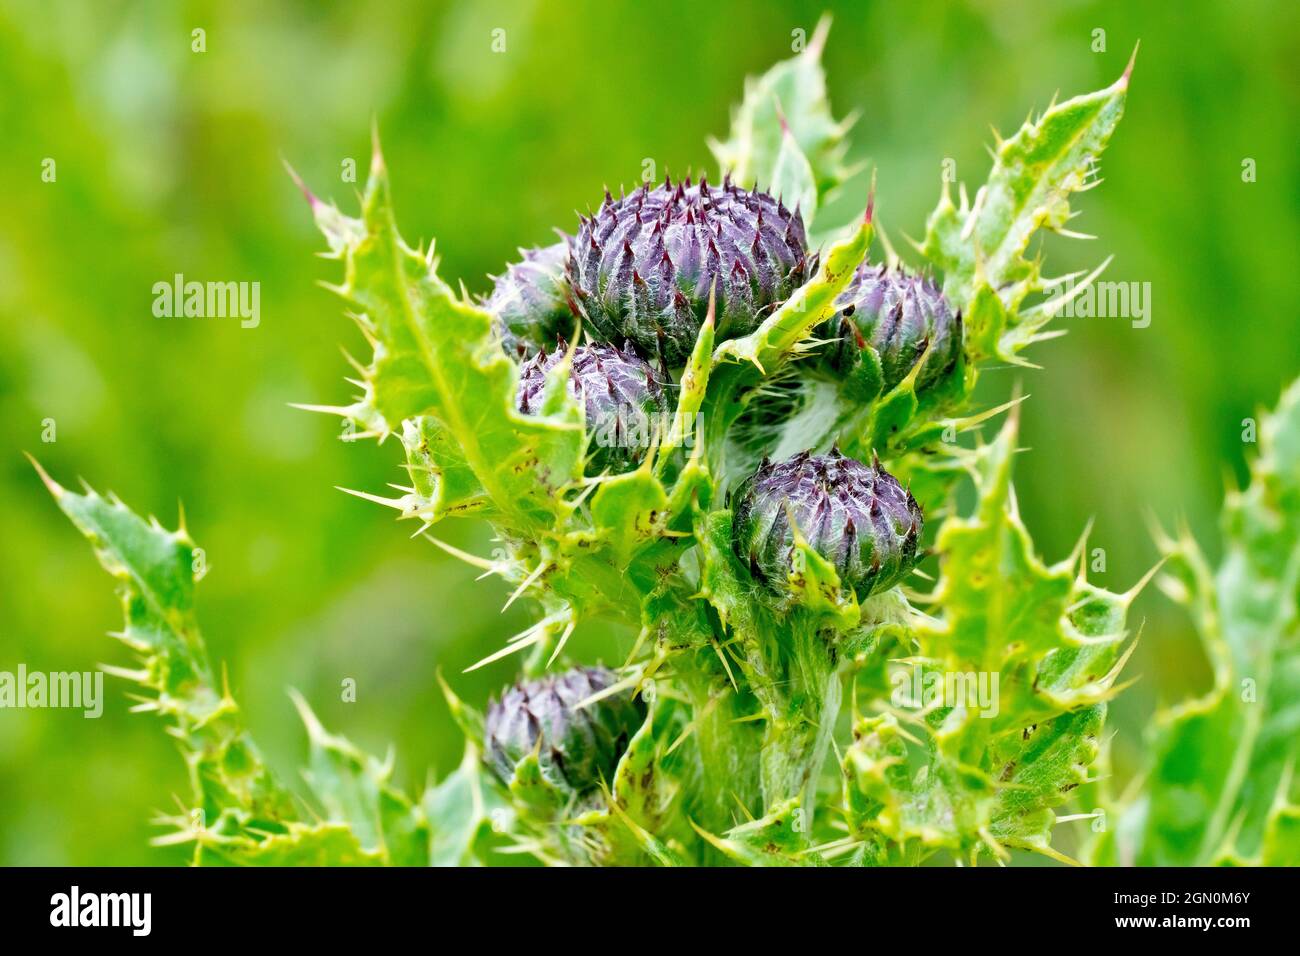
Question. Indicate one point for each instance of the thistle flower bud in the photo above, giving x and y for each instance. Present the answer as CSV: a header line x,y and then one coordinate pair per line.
x,y
857,517
899,316
621,394
575,749
643,266
530,300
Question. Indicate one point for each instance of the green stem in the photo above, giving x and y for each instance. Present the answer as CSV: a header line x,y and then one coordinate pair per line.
x,y
802,697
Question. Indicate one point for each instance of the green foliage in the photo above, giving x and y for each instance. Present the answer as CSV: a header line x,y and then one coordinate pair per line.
x,y
436,356
1220,787
981,247
238,812
983,244
731,763
985,771
783,132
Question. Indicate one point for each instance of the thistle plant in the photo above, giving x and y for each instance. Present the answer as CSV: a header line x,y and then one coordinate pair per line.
x,y
856,517
1219,786
904,318
645,266
573,746
530,300
784,538
621,396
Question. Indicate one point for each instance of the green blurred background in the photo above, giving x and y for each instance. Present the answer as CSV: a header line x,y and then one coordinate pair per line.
x,y
170,161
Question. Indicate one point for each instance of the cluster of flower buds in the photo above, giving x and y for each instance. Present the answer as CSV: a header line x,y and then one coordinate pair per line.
x,y
641,271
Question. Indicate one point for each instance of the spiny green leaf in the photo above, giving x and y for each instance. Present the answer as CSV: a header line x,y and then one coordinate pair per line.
x,y
242,815
156,569
630,510
1221,763
1034,173
1013,668
795,88
435,355
320,844
1054,759
943,803
776,839
641,817
443,481
691,393
461,811
355,788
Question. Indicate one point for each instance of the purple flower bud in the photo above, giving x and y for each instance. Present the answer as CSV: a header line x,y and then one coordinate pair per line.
x,y
643,265
575,749
899,316
530,301
621,394
857,517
